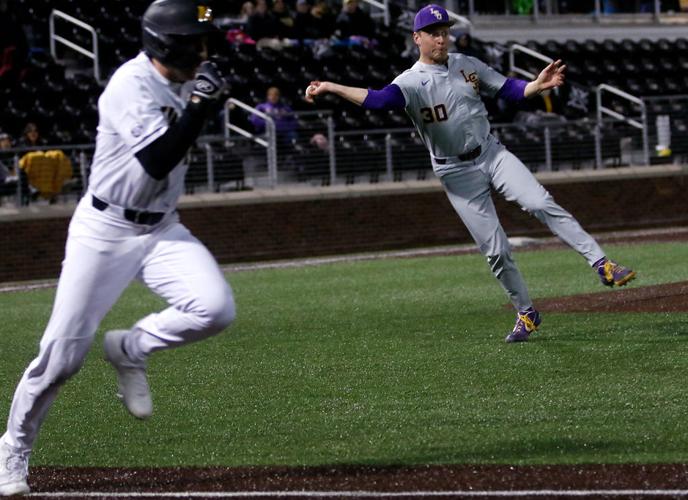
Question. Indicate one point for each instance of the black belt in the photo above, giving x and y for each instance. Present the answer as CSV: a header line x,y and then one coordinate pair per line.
x,y
471,155
147,218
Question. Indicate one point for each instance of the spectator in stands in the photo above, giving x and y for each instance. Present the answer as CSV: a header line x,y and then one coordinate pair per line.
x,y
31,137
5,141
313,26
284,18
285,122
263,27
320,142
464,45
5,160
324,18
237,34
9,176
354,22
47,172
305,27
8,181
247,9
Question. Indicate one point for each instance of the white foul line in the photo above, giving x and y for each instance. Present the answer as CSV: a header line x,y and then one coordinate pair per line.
x,y
366,494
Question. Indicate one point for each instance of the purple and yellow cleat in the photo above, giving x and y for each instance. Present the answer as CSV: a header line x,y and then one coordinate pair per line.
x,y
526,323
613,274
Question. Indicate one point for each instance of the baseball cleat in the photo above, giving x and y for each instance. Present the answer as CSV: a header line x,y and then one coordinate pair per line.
x,y
526,323
14,471
131,376
613,274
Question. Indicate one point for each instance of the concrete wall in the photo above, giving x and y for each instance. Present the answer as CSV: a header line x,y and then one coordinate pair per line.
x,y
309,221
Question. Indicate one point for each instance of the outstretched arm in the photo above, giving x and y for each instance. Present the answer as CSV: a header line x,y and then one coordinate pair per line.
x,y
550,77
390,97
354,94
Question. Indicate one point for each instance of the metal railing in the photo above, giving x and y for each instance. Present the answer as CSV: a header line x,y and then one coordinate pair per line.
x,y
273,142
323,155
514,48
382,10
641,125
54,38
347,155
460,21
269,142
601,111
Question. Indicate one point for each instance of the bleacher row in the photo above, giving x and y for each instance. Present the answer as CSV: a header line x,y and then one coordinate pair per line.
x,y
642,68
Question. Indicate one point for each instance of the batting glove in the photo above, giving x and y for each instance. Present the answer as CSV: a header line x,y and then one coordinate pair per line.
x,y
209,83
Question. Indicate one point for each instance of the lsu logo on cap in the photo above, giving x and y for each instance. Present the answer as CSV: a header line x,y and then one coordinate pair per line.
x,y
436,13
205,14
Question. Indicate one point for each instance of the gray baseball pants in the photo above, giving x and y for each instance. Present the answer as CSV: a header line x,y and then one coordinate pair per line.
x,y
468,190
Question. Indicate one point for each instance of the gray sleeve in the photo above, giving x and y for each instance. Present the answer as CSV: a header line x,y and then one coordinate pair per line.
x,y
490,80
405,83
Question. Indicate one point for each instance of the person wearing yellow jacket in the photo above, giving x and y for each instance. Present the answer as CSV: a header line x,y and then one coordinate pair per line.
x,y
47,171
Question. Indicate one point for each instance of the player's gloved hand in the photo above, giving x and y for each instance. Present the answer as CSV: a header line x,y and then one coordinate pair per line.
x,y
209,82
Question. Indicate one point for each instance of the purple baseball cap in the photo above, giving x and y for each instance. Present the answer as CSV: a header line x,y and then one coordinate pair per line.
x,y
429,15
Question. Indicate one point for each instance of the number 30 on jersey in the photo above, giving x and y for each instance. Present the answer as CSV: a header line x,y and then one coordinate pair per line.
x,y
434,114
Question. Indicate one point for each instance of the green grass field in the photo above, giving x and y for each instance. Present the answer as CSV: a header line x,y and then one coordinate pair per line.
x,y
398,361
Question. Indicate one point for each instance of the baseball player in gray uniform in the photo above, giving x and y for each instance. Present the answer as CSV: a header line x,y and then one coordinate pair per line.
x,y
126,227
441,94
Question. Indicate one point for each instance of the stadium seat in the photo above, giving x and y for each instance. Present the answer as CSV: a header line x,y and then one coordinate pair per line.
x,y
610,48
663,46
644,67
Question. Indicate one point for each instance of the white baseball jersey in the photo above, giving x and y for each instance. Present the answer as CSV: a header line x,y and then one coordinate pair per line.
x,y
136,108
444,103
106,251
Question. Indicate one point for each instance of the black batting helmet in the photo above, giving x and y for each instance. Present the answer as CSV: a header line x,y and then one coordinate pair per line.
x,y
171,29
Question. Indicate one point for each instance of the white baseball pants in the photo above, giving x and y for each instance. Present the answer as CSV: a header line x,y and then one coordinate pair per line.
x,y
468,190
104,253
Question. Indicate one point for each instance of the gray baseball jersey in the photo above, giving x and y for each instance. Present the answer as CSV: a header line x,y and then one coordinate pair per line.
x,y
445,105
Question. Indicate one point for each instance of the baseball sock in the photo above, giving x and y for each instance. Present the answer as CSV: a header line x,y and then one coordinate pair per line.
x,y
139,344
599,263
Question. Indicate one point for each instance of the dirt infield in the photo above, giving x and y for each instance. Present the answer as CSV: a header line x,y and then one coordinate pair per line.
x,y
669,297
638,481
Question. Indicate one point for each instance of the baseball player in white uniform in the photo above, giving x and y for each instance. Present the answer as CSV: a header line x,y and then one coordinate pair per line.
x,y
441,94
126,227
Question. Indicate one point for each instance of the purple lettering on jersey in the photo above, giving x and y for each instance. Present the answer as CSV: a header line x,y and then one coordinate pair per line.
x,y
390,97
513,90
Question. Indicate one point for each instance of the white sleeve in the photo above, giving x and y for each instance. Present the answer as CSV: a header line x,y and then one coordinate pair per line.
x,y
490,80
129,108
